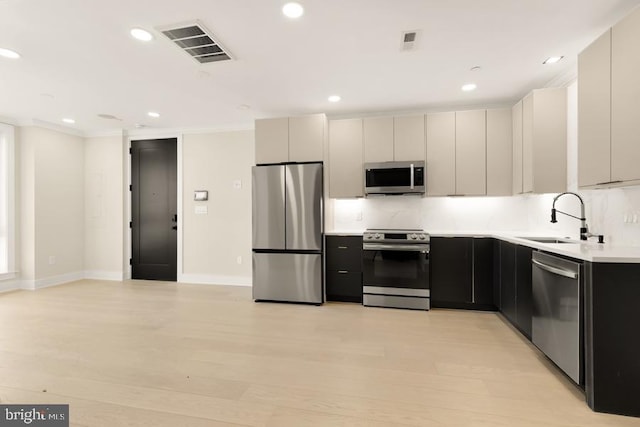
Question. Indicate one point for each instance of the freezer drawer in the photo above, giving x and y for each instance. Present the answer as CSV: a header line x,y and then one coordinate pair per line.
x,y
287,277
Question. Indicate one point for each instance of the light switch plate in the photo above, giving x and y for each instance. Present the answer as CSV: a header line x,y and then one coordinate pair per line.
x,y
201,195
237,184
201,210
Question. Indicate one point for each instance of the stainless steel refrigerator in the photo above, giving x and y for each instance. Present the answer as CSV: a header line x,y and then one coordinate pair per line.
x,y
287,232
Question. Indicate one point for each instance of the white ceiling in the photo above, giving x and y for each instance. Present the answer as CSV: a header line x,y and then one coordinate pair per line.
x,y
78,59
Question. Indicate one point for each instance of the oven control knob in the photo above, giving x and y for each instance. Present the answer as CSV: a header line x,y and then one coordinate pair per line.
x,y
378,236
423,237
413,236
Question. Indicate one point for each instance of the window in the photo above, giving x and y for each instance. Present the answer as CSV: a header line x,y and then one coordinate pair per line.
x,y
7,200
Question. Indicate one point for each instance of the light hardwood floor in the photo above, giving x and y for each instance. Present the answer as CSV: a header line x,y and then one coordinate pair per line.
x,y
161,354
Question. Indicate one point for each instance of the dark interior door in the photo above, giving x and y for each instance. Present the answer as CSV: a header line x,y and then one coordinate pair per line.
x,y
154,209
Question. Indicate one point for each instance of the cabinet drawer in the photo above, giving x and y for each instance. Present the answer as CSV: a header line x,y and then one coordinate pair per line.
x,y
344,253
344,286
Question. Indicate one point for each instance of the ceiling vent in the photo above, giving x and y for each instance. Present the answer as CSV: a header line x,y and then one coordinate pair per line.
x,y
409,40
198,42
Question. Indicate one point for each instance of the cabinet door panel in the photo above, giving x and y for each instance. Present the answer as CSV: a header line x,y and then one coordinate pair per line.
x,y
524,297
272,140
527,144
499,153
516,115
483,271
450,264
346,178
344,253
508,280
378,139
441,154
471,152
549,166
409,138
594,112
342,286
306,138
625,99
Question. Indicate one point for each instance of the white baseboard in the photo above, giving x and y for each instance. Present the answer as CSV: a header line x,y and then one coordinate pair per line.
x,y
33,285
10,285
205,279
117,276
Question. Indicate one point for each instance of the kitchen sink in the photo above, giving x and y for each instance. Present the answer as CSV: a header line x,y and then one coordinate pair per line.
x,y
548,239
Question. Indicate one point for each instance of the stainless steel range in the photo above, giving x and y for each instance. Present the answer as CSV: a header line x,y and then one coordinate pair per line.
x,y
396,269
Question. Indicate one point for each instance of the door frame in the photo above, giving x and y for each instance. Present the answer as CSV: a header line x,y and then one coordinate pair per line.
x,y
127,199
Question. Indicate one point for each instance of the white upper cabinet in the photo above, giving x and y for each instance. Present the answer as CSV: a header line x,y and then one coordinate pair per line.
x,y
409,138
306,138
290,139
378,139
543,147
594,113
441,154
625,99
394,138
527,143
608,107
346,179
499,152
471,151
272,140
516,116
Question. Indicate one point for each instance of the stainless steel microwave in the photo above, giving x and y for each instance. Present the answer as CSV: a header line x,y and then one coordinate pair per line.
x,y
394,177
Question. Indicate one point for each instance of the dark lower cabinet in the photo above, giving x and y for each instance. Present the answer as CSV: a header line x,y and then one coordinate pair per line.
x,y
344,268
483,273
612,317
524,297
462,272
508,280
516,301
450,265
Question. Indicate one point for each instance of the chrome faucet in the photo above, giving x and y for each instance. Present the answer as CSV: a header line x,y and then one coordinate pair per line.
x,y
584,228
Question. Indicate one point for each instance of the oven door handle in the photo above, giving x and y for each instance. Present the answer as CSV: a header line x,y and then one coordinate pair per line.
x,y
404,248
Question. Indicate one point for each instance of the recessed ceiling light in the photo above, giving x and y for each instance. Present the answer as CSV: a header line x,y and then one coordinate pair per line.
x,y
153,114
476,68
293,10
552,59
142,35
8,53
68,121
469,87
334,98
244,107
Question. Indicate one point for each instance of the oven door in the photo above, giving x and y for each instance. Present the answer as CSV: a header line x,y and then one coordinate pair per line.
x,y
396,265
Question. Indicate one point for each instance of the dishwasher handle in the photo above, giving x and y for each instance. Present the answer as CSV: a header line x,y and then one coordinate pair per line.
x,y
555,270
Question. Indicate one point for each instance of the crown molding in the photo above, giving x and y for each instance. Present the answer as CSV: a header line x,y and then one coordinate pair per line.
x,y
51,126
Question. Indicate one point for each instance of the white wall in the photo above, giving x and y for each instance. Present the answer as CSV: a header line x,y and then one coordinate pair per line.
x,y
213,242
52,206
104,204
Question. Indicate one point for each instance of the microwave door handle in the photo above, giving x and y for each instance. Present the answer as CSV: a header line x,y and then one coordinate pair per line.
x,y
412,183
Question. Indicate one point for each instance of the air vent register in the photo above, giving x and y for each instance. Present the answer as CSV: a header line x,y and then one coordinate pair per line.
x,y
199,43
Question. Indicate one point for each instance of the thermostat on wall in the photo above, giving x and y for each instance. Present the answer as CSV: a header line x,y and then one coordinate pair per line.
x,y
200,195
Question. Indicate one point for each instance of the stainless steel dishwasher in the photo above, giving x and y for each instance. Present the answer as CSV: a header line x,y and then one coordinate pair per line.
x,y
556,312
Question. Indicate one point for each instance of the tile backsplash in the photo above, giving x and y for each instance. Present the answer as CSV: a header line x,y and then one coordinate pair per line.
x,y
606,212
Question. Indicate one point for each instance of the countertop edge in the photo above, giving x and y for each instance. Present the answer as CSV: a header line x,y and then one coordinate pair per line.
x,y
585,251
